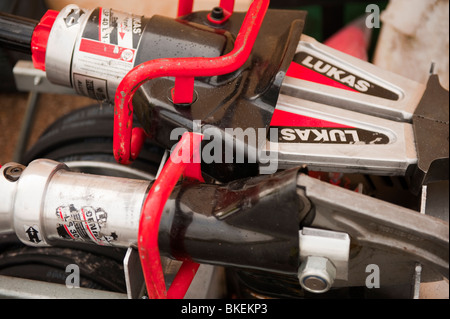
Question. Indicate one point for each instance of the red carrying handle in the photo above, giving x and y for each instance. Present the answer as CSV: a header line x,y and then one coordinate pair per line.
x,y
184,70
176,165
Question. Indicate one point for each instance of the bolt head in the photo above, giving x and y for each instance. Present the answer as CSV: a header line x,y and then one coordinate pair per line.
x,y
316,274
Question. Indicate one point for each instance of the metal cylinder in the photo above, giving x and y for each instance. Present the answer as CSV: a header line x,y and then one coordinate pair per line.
x,y
61,44
47,203
92,50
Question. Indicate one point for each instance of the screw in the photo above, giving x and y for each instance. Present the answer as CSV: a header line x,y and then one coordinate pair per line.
x,y
316,274
12,173
217,14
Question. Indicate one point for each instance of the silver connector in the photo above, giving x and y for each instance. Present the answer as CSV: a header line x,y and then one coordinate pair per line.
x,y
61,44
46,202
324,257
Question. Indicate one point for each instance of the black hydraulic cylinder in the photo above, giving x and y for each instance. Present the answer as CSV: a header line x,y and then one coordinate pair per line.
x,y
16,32
250,223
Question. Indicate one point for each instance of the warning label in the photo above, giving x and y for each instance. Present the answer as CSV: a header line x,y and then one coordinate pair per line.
x,y
114,27
106,52
33,233
89,86
84,224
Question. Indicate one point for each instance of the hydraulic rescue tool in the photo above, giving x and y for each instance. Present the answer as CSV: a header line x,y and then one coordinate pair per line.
x,y
258,118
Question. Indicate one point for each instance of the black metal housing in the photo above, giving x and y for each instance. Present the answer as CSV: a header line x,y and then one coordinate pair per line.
x,y
251,223
430,123
243,99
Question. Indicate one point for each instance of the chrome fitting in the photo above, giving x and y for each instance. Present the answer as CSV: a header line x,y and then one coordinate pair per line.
x,y
324,257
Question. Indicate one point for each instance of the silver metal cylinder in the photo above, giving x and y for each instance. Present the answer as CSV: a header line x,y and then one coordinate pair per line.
x,y
48,203
92,50
61,44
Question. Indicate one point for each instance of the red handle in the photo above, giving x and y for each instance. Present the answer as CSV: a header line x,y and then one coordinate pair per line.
x,y
152,210
184,70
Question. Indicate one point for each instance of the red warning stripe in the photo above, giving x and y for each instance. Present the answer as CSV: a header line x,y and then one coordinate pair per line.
x,y
88,228
106,50
286,119
65,226
301,72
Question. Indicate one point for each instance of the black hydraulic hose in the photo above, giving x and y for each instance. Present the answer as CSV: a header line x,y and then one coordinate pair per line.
x,y
16,32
